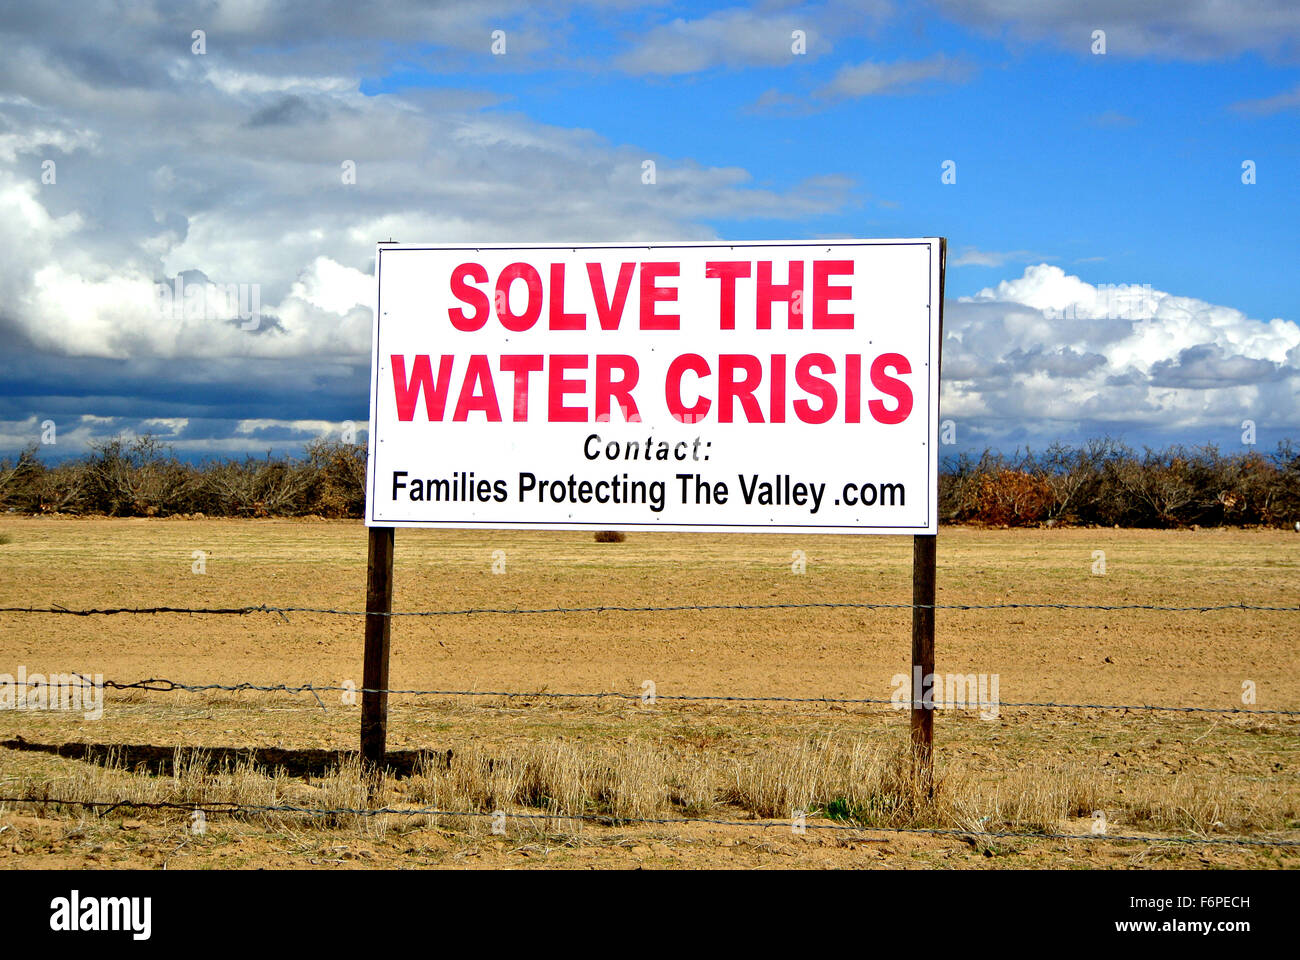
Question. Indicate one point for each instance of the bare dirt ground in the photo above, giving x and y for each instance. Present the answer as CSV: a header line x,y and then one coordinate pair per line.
x,y
1153,774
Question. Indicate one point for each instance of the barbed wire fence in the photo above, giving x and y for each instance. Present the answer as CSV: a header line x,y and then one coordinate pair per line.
x,y
233,808
209,808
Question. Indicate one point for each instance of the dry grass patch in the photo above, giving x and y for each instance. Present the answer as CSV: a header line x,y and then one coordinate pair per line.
x,y
547,786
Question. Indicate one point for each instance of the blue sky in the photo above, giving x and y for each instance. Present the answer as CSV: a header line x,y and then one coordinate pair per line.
x,y
1098,161
1075,171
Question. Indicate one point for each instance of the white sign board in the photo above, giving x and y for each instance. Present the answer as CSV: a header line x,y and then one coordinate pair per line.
x,y
757,387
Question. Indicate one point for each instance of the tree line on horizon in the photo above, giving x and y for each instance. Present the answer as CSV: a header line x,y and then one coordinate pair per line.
x,y
1103,482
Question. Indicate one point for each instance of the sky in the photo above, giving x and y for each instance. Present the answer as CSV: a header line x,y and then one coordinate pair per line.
x,y
1121,216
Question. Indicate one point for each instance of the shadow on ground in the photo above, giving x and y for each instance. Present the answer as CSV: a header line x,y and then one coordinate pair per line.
x,y
160,759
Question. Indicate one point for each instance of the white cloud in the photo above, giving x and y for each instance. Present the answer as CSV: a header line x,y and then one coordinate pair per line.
x,y
1172,29
185,437
1287,100
320,428
873,78
238,82
242,182
732,38
973,257
1050,347
43,139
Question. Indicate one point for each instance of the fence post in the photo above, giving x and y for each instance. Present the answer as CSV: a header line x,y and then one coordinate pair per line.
x,y
379,603
923,576
923,593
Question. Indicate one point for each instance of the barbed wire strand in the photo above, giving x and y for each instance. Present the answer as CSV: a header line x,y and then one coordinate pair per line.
x,y
163,685
233,807
674,608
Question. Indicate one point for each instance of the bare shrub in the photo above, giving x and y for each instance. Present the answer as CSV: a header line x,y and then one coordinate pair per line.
x,y
1014,498
256,487
338,487
1157,490
1102,482
138,477
17,479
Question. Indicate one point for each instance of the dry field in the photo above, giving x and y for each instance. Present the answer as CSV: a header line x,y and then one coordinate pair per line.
x,y
1030,769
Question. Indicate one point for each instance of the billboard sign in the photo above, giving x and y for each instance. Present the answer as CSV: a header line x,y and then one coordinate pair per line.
x,y
753,387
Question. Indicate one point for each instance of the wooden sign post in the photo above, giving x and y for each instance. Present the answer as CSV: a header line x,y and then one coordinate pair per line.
x,y
923,592
923,571
379,607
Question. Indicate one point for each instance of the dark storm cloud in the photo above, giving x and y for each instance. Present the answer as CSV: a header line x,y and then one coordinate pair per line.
x,y
1207,366
246,388
1064,362
287,111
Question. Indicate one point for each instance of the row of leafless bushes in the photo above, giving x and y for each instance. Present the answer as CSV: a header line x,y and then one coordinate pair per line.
x,y
1103,482
142,478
